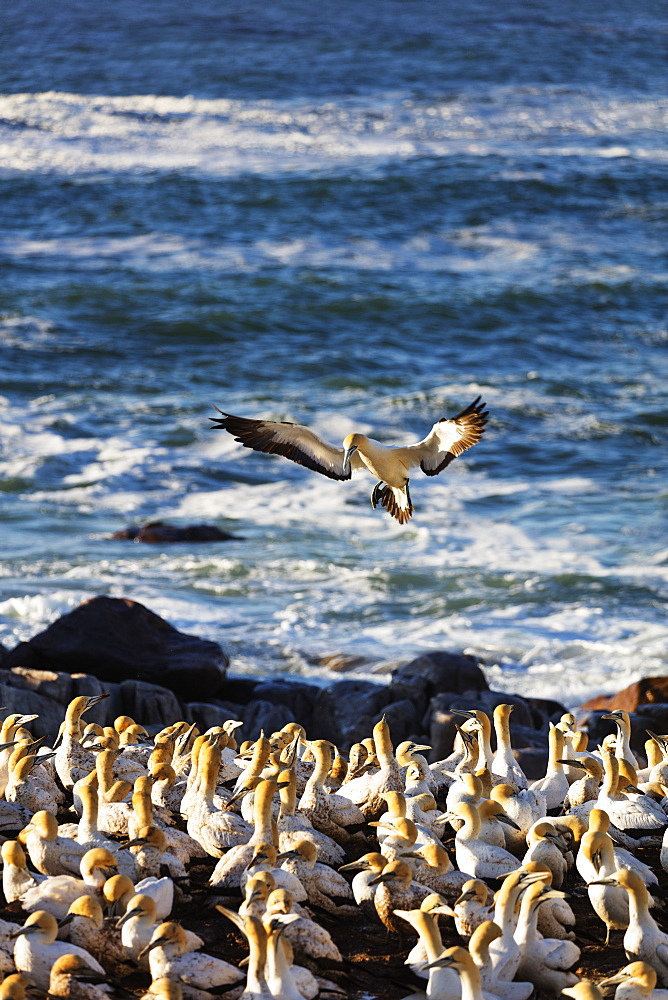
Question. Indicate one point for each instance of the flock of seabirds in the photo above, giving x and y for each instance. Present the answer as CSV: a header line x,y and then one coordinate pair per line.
x,y
299,837
463,857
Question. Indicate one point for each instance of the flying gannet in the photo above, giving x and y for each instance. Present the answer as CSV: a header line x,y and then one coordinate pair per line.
x,y
447,439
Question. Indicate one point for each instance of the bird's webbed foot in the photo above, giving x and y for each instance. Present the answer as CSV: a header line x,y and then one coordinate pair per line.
x,y
376,493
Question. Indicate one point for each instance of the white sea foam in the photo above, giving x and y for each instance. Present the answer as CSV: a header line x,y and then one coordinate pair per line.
x,y
75,133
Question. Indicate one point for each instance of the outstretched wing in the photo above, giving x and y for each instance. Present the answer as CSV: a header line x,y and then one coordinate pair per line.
x,y
292,441
449,438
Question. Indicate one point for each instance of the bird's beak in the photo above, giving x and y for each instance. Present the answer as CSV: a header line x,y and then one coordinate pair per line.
x,y
151,945
353,866
502,818
67,919
347,455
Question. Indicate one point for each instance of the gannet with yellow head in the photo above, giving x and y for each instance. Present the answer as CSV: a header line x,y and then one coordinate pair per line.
x,y
447,439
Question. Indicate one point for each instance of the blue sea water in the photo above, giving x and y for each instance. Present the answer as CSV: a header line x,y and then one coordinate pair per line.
x,y
354,216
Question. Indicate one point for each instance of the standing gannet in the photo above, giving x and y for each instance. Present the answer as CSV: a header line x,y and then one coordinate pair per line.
x,y
88,930
505,953
59,891
168,957
431,866
325,888
636,981
447,439
36,948
138,924
252,928
643,939
623,743
545,962
330,812
293,825
256,892
504,763
72,978
216,830
284,979
554,785
479,721
479,944
72,761
475,857
461,961
229,869
424,919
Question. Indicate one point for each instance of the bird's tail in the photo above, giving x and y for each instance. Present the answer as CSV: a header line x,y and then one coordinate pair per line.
x,y
396,502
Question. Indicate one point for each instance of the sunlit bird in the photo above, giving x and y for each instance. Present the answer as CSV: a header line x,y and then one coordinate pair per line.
x,y
447,439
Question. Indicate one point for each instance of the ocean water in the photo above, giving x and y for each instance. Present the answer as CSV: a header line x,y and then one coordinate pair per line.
x,y
353,216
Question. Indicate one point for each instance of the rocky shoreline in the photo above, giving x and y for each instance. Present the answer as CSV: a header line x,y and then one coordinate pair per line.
x,y
156,673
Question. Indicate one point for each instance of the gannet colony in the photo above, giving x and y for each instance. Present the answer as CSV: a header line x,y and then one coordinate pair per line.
x,y
119,846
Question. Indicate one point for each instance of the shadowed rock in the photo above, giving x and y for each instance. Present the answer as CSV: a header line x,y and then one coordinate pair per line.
x,y
118,639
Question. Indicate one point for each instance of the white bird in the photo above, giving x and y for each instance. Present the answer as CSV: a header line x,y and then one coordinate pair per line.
x,y
168,956
447,439
138,924
545,962
504,763
636,981
36,948
58,892
643,940
71,977
475,857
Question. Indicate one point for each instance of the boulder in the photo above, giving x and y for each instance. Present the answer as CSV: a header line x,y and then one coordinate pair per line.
x,y
297,696
150,704
642,692
162,531
433,673
533,761
346,711
442,728
117,639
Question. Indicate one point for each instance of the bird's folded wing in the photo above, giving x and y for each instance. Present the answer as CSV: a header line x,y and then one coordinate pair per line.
x,y
449,438
293,441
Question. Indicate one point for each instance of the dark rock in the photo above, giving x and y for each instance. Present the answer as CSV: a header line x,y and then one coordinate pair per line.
x,y
528,736
545,710
263,716
441,725
403,719
58,687
240,690
345,711
432,673
30,702
150,704
647,690
533,761
118,639
298,696
162,531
